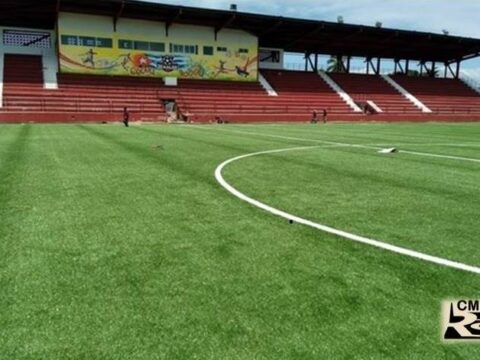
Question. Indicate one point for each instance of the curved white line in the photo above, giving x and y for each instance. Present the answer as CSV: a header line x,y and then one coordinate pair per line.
x,y
328,229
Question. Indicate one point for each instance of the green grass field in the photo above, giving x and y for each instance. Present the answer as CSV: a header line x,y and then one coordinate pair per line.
x,y
119,243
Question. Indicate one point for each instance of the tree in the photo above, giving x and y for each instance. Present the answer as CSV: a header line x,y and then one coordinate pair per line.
x,y
429,73
435,73
335,65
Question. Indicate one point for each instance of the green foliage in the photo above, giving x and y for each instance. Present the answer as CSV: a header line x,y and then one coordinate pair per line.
x,y
334,65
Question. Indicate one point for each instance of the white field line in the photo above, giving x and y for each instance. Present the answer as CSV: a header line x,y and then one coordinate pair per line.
x,y
427,145
432,137
393,143
451,157
416,153
346,235
316,141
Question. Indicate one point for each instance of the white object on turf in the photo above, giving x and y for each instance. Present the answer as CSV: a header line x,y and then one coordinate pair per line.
x,y
388,151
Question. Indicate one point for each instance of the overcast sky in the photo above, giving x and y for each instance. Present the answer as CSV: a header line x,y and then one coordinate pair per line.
x,y
459,17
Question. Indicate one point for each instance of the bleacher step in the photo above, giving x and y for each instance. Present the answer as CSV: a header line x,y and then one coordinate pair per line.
x,y
343,94
408,95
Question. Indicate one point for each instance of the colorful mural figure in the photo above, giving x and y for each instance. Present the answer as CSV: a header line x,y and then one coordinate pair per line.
x,y
168,63
242,72
86,46
90,58
125,62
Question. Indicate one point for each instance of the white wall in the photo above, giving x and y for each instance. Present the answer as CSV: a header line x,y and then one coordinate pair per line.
x,y
269,64
1,80
49,58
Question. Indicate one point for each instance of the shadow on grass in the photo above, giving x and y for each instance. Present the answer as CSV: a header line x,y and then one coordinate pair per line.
x,y
13,163
340,171
145,154
219,139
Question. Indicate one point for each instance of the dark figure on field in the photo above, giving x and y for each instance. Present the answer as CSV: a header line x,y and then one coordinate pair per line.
x,y
325,116
126,117
314,117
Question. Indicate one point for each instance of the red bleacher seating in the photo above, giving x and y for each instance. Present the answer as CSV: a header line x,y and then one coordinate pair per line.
x,y
299,95
363,88
94,95
206,100
442,96
102,98
307,91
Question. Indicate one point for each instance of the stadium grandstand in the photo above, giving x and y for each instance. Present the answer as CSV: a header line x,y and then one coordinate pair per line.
x,y
80,61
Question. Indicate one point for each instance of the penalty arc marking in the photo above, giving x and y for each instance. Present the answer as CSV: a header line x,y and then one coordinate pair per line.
x,y
327,229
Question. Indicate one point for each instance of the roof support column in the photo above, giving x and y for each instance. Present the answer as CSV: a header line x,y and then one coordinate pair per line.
x,y
341,64
170,22
457,73
311,63
379,65
398,65
316,63
407,66
375,67
225,24
448,68
117,15
434,69
422,67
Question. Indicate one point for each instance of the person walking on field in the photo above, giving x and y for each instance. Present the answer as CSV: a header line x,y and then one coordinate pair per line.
x,y
314,117
126,117
325,116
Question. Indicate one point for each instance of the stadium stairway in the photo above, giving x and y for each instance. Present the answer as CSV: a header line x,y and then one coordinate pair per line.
x,y
364,88
308,92
442,96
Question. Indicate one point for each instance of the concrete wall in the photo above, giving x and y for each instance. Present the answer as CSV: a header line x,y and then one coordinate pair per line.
x,y
49,58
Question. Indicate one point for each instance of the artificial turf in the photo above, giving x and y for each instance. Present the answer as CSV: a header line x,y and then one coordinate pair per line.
x,y
118,243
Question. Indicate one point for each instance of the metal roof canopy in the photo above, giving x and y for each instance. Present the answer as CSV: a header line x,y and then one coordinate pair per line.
x,y
290,34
